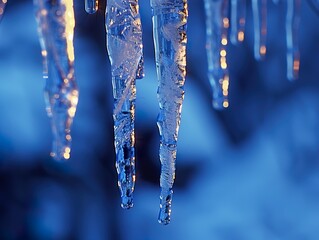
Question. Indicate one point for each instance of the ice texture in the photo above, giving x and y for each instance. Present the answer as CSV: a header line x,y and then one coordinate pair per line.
x,y
217,25
170,38
91,6
238,21
259,8
124,45
292,30
56,23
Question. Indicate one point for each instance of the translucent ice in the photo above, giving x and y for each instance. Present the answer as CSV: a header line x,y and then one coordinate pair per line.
x,y
217,25
91,6
260,27
56,26
238,21
292,27
124,45
170,38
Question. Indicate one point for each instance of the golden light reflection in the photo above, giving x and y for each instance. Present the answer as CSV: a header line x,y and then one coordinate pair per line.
x,y
226,22
1,11
68,137
263,50
4,1
224,41
241,36
71,111
69,28
223,53
296,65
225,104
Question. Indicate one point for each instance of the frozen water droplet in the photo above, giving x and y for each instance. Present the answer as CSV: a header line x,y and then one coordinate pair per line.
x,y
260,28
124,45
292,27
170,38
56,28
91,6
217,26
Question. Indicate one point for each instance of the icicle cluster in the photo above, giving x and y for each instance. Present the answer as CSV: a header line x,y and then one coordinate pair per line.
x,y
170,38
217,27
55,26
125,48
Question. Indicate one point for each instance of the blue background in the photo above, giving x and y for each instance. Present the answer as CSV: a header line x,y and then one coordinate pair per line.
x,y
250,172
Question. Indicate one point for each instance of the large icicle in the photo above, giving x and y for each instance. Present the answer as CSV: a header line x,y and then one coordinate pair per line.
x,y
124,44
91,6
56,26
292,27
170,38
217,25
260,28
238,21
2,7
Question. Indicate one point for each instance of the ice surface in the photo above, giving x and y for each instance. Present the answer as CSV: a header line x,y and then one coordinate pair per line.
x,y
217,24
170,38
124,45
56,26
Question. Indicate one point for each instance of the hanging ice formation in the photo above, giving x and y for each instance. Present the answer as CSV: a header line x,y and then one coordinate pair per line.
x,y
170,38
125,48
292,27
2,7
217,25
238,21
56,22
91,6
259,8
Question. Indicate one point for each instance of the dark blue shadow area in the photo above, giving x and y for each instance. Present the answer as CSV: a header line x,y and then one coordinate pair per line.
x,y
250,172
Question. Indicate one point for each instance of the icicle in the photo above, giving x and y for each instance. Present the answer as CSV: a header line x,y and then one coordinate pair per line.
x,y
169,26
238,20
56,26
2,7
260,27
124,44
217,24
292,27
91,6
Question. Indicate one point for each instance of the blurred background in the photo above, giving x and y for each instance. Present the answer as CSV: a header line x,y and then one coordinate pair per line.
x,y
250,172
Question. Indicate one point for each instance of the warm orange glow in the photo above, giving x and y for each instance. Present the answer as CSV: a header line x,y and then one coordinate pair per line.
x,y
4,1
263,50
68,137
223,53
44,53
224,41
223,63
241,36
1,11
225,104
296,65
226,22
69,28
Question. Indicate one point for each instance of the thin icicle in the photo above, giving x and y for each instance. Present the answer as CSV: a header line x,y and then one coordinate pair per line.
x,y
2,8
292,27
140,70
217,25
56,26
91,6
238,21
260,28
170,38
124,45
